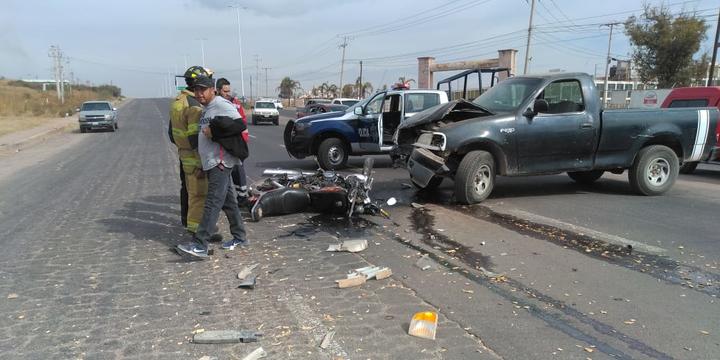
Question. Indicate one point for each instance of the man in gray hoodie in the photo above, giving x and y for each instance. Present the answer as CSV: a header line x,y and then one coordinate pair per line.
x,y
217,164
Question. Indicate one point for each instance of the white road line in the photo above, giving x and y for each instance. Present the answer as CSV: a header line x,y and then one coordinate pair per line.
x,y
253,136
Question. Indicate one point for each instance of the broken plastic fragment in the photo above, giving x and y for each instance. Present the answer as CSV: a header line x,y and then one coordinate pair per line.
x,y
424,325
349,246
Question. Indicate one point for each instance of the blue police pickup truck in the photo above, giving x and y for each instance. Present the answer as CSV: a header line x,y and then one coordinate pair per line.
x,y
364,128
532,125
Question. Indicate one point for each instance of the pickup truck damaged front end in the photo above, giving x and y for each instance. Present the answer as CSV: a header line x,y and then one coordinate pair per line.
x,y
422,143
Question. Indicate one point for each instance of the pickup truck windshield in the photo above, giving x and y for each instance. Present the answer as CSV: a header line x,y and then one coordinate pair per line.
x,y
265,105
508,95
95,107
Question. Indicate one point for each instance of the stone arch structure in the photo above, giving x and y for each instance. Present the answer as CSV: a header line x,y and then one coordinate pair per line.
x,y
427,66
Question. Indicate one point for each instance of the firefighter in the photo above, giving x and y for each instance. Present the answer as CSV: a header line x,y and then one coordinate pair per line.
x,y
184,121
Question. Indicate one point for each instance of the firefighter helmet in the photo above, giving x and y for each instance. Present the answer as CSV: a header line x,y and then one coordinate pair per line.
x,y
194,72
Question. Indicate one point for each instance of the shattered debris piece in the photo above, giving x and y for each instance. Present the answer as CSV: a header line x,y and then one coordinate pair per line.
x,y
256,354
352,280
327,339
349,246
248,283
208,358
406,186
246,271
424,325
425,263
226,336
374,272
12,296
416,205
198,331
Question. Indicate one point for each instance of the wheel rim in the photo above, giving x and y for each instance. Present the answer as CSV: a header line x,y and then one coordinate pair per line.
x,y
335,154
658,172
482,179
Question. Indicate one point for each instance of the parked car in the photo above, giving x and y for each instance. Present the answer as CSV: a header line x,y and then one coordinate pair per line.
x,y
265,111
97,115
696,97
532,125
325,108
345,101
316,101
365,128
305,111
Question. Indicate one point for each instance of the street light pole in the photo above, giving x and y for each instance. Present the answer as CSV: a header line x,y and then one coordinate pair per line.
x,y
242,74
202,49
607,64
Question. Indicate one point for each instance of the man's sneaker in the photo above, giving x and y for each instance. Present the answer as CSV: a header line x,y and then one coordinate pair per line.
x,y
230,245
194,250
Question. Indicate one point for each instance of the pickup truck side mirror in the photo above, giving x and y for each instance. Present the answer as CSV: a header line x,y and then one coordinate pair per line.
x,y
539,106
358,110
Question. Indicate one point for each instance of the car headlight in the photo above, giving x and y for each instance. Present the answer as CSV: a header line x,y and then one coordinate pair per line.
x,y
108,117
434,140
301,126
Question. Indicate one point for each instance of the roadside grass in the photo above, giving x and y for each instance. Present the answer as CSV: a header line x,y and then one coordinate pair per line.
x,y
24,106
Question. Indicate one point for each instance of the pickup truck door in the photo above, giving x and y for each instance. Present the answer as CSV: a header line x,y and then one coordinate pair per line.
x,y
561,139
367,126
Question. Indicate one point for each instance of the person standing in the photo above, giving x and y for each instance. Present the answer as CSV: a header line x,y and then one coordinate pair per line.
x,y
184,127
238,174
217,163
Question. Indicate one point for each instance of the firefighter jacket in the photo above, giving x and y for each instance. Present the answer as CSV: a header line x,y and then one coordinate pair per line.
x,y
185,114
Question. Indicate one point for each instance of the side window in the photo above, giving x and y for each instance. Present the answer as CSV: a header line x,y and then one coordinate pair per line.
x,y
419,102
375,105
564,96
392,103
689,103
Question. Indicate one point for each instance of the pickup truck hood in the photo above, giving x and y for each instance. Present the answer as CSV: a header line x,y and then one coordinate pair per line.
x,y
329,115
453,111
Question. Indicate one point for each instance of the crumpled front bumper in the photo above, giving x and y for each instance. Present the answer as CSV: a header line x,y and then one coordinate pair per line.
x,y
297,143
423,165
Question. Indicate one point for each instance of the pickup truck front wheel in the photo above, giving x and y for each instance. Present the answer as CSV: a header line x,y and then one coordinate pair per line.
x,y
475,177
332,154
654,170
585,177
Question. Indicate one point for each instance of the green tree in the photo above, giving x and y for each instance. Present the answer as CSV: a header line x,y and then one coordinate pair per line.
x,y
348,90
288,87
664,44
699,70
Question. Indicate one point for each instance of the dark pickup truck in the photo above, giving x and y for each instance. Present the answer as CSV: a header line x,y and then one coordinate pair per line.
x,y
533,125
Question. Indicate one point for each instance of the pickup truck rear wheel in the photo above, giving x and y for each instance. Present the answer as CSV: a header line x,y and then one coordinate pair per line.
x,y
332,154
585,177
654,170
475,177
688,167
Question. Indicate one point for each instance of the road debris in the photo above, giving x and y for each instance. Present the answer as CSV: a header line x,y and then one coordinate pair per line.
x,y
424,325
425,263
349,246
256,354
12,296
327,339
246,271
416,205
248,283
226,336
406,186
198,331
361,275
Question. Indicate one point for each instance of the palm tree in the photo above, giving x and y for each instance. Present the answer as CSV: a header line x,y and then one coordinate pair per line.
x,y
404,80
288,87
332,90
323,88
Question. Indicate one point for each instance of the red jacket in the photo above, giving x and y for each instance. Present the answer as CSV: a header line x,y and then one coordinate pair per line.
x,y
241,111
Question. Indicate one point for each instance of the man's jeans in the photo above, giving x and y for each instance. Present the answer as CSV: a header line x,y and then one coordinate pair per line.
x,y
220,195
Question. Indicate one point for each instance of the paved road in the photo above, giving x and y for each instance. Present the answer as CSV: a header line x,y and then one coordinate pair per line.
x,y
88,221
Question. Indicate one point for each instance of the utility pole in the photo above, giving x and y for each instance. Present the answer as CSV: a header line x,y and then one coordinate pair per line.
x,y
714,57
267,89
56,54
342,62
607,63
251,92
361,92
527,46
257,73
202,49
242,74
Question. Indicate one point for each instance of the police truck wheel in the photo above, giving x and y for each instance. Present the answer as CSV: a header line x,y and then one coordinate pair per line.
x,y
475,177
654,170
585,177
332,154
688,167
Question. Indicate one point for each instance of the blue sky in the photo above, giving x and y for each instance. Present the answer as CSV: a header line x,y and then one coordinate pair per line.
x,y
137,44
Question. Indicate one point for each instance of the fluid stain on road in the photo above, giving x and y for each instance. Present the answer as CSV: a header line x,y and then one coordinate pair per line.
x,y
424,224
660,267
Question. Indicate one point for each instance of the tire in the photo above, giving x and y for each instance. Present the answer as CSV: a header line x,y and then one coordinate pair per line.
x,y
432,185
83,130
654,170
332,154
585,177
475,177
116,126
276,122
688,167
